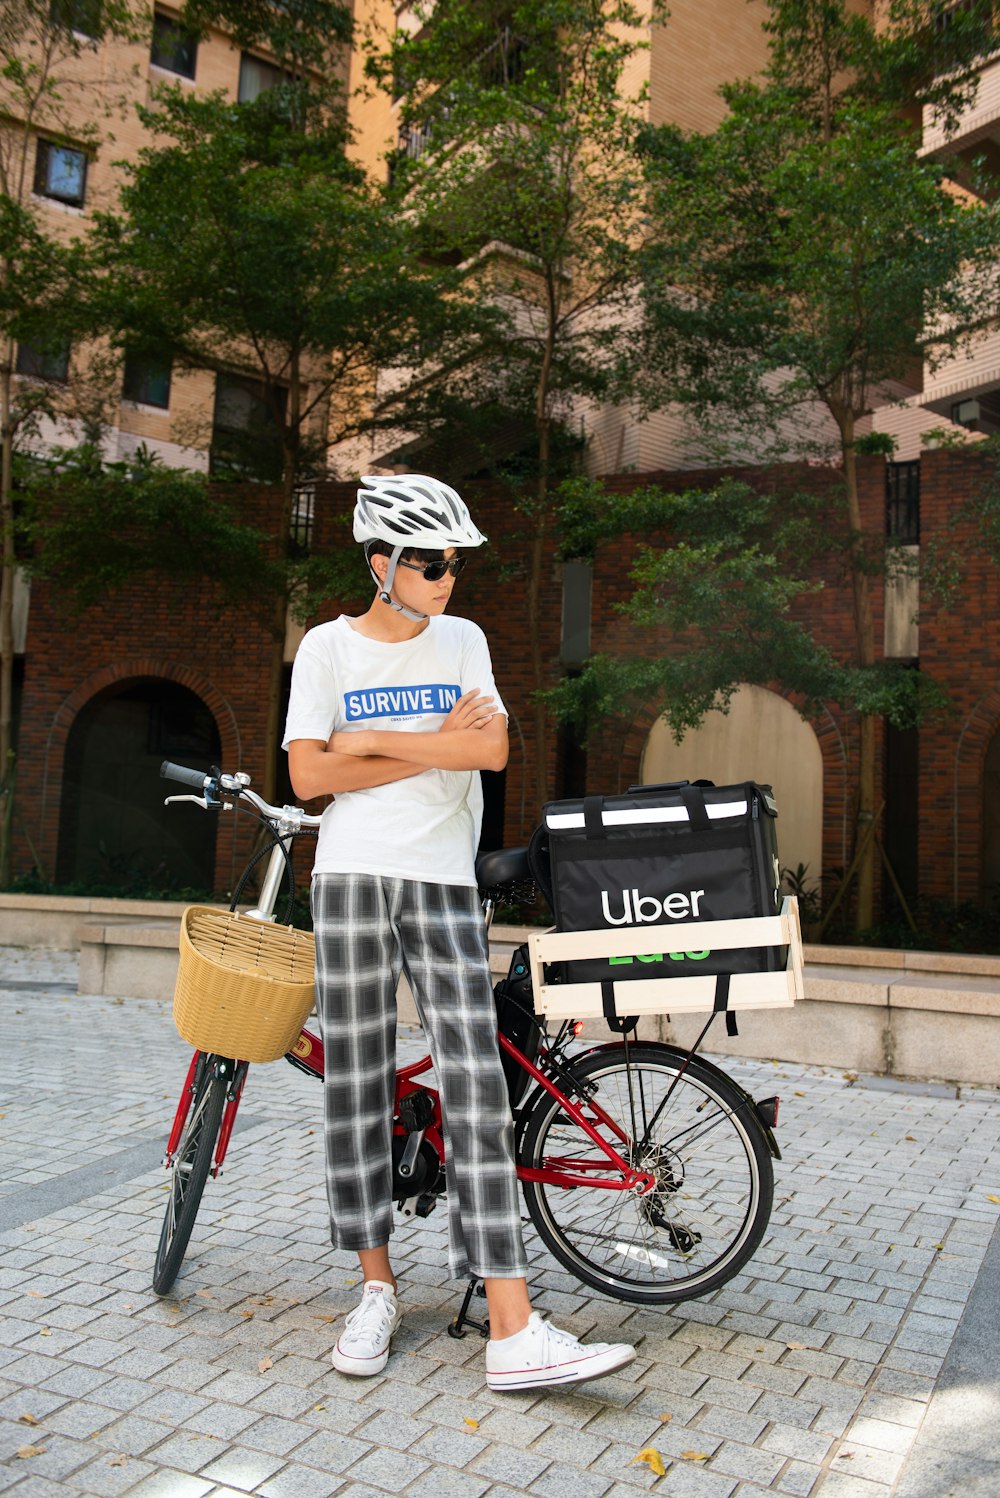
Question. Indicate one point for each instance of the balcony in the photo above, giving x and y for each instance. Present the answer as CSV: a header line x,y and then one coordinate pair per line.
x,y
977,127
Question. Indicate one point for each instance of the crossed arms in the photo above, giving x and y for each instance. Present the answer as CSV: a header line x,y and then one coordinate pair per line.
x,y
472,737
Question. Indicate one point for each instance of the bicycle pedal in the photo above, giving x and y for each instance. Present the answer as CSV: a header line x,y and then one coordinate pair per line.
x,y
416,1112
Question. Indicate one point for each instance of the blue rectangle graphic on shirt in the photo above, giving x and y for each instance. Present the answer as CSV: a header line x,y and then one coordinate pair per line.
x,y
401,702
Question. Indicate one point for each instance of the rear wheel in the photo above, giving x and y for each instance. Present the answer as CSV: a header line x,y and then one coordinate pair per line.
x,y
696,1132
190,1167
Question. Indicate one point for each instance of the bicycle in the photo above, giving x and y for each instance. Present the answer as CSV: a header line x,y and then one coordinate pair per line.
x,y
646,1170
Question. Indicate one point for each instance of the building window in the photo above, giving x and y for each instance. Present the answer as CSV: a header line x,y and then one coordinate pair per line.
x,y
81,16
146,379
174,48
60,173
246,436
44,360
902,502
257,76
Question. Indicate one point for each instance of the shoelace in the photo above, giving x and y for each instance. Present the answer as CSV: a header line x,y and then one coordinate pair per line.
x,y
368,1316
556,1335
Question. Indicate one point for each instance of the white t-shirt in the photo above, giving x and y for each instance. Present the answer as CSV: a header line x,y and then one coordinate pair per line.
x,y
427,826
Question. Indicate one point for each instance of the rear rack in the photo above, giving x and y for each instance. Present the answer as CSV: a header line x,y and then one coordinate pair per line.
x,y
687,995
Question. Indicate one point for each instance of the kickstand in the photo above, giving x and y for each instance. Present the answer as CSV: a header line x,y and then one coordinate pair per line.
x,y
457,1327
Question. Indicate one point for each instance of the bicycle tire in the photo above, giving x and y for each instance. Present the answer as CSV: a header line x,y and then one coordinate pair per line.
x,y
189,1172
709,1152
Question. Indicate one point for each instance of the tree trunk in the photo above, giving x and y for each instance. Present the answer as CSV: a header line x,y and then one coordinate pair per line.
x,y
864,627
543,428
7,565
537,790
279,617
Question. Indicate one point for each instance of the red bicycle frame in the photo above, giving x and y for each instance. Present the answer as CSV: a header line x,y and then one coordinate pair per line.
x,y
308,1051
228,1115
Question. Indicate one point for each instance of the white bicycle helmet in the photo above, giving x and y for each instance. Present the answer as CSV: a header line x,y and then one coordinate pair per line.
x,y
410,509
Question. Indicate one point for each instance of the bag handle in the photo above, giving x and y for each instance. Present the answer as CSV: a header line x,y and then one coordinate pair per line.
x,y
665,785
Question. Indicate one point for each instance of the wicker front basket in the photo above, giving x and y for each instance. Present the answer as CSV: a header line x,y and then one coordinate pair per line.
x,y
244,987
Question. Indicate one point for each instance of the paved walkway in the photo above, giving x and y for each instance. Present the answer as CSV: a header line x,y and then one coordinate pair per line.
x,y
839,1364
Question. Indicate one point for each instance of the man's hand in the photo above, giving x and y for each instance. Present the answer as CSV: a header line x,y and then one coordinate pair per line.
x,y
472,710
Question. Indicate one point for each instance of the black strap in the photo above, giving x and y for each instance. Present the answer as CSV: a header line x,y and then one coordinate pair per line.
x,y
621,1024
593,815
721,1005
693,797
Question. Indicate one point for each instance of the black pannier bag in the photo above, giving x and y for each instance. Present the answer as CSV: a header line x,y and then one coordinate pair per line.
x,y
516,1020
662,857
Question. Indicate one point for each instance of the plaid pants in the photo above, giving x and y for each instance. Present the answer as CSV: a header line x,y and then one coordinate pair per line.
x,y
369,929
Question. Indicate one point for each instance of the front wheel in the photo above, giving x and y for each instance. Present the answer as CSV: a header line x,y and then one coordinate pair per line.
x,y
685,1124
190,1167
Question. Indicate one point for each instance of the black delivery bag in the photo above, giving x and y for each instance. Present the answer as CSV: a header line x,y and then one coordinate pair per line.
x,y
662,857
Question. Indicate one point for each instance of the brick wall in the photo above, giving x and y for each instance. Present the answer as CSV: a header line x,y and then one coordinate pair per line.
x,y
221,654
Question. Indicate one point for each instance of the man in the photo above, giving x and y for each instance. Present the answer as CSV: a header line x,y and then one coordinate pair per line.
x,y
394,713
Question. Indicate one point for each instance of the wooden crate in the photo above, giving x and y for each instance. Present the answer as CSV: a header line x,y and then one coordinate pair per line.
x,y
639,996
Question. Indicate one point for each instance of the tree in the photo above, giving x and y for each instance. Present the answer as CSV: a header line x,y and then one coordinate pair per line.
x,y
518,160
249,245
803,257
45,53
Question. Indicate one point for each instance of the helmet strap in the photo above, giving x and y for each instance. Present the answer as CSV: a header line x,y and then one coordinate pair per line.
x,y
385,589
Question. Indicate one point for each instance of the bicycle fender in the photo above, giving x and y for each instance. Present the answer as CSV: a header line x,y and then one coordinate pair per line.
x,y
710,1066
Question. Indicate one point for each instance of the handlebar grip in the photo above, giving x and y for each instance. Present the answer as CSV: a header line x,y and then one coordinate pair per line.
x,y
170,771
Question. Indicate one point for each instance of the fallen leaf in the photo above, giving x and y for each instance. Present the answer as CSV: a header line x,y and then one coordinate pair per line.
x,y
264,1365
324,1318
44,1331
35,1294
798,1094
911,1137
665,1418
205,1294
992,1198
24,1452
472,1424
27,1420
694,1456
317,1407
795,1346
118,1461
845,1456
247,1315
651,1458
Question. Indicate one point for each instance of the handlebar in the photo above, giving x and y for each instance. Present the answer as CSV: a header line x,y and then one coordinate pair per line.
x,y
215,788
197,778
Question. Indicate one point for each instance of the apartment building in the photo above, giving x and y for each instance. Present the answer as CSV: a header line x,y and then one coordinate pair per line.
x,y
73,155
132,656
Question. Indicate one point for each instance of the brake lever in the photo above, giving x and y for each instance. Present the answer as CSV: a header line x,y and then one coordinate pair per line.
x,y
201,801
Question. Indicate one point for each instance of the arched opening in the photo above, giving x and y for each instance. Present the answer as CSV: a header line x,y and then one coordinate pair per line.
x,y
991,824
115,834
761,738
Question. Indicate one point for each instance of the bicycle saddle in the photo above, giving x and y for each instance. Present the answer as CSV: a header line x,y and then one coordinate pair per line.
x,y
502,866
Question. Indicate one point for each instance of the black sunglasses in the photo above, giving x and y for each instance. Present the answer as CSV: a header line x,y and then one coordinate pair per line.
x,y
435,571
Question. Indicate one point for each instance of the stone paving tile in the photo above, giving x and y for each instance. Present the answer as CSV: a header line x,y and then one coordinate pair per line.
x,y
511,1463
443,1482
828,1343
110,1476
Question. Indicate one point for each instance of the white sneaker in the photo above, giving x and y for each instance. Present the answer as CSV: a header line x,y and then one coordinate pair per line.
x,y
541,1355
363,1346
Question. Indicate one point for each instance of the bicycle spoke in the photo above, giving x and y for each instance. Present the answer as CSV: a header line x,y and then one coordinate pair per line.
x,y
706,1153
